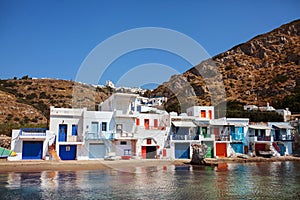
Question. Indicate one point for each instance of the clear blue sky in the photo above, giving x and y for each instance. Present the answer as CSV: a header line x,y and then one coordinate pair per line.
x,y
52,38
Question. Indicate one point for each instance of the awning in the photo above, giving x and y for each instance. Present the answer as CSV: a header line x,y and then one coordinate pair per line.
x,y
261,127
236,124
183,124
283,126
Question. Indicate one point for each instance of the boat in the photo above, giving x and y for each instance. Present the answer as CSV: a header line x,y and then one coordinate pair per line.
x,y
265,154
4,153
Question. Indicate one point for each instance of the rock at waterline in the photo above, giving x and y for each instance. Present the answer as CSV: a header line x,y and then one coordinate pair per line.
x,y
199,152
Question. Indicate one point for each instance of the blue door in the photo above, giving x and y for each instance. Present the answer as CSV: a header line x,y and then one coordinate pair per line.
x,y
62,133
182,150
67,152
32,150
237,147
282,149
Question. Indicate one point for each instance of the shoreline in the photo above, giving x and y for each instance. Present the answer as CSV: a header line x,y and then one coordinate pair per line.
x,y
124,165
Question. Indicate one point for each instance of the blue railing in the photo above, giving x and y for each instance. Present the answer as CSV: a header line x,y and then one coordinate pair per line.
x,y
237,136
33,132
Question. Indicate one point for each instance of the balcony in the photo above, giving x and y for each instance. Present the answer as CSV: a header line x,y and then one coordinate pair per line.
x,y
263,138
237,136
285,138
184,137
33,133
99,136
123,135
162,128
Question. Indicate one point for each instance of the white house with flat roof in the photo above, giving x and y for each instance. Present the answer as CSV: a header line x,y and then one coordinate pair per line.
x,y
81,134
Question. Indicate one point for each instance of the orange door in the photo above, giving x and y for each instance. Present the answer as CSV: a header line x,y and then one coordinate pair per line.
x,y
144,152
221,150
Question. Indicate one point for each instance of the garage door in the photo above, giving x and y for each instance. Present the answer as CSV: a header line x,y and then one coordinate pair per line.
x,y
182,151
238,147
67,152
210,150
96,151
32,150
221,150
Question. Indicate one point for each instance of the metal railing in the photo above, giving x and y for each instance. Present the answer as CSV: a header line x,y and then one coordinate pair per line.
x,y
185,137
284,138
30,132
263,138
98,136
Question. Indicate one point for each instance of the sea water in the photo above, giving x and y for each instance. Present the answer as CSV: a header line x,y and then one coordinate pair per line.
x,y
274,180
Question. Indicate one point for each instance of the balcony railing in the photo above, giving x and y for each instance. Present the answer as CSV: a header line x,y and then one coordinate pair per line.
x,y
152,128
69,138
237,136
33,132
185,137
123,134
284,138
99,136
263,138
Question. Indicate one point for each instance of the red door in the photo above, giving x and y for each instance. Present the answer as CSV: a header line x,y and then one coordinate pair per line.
x,y
144,152
221,150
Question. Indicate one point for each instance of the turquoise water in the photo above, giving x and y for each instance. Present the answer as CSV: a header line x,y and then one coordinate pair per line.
x,y
277,180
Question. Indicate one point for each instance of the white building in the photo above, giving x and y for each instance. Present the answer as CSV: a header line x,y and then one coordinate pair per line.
x,y
31,143
140,131
285,113
81,134
202,112
188,129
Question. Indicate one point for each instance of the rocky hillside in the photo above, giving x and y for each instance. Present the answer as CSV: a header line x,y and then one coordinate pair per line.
x,y
264,69
26,102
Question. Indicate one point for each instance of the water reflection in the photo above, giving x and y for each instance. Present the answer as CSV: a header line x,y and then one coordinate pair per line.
x,y
278,180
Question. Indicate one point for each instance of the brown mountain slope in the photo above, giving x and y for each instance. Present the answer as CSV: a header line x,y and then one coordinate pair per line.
x,y
264,69
40,94
11,111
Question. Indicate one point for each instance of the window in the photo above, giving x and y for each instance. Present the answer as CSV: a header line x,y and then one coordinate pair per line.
x,y
123,143
155,123
203,114
119,128
127,152
74,129
210,114
146,123
256,132
137,121
148,141
104,126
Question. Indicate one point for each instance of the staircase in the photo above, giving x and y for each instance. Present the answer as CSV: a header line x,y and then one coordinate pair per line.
x,y
275,149
53,152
